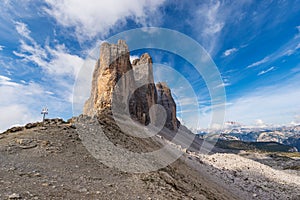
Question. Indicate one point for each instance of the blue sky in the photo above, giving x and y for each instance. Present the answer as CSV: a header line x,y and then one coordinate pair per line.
x,y
254,44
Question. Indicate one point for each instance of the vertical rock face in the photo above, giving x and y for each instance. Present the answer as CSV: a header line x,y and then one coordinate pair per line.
x,y
166,100
114,62
145,95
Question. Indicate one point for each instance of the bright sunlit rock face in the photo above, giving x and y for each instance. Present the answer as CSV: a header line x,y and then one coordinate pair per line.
x,y
114,63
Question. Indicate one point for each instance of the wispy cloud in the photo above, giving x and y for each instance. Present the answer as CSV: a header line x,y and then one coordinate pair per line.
x,y
213,19
223,85
274,105
1,47
262,61
292,50
266,71
228,52
291,47
24,99
21,103
4,80
91,18
55,61
23,30
212,24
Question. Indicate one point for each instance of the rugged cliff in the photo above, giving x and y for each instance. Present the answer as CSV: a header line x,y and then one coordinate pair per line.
x,y
113,63
166,100
145,96
135,83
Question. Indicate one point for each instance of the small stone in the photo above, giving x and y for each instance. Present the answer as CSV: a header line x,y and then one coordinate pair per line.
x,y
14,196
23,141
12,169
45,143
83,190
37,174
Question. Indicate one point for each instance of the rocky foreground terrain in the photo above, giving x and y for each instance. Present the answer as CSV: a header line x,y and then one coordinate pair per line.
x,y
48,161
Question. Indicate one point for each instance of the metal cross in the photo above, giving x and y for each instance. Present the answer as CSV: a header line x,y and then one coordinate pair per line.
x,y
44,113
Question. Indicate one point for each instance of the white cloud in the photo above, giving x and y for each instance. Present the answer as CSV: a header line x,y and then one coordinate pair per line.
x,y
210,20
266,71
277,104
15,115
296,120
230,51
292,50
55,61
23,30
286,50
259,123
223,85
133,57
4,79
90,18
18,102
1,47
264,60
22,102
212,24
187,101
63,63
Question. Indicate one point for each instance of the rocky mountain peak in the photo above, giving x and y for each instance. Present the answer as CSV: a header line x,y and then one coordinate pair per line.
x,y
113,63
144,59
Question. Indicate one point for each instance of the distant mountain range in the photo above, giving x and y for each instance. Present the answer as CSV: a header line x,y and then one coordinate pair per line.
x,y
289,136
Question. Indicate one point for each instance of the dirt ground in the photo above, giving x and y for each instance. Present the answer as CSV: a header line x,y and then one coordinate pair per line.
x,y
50,162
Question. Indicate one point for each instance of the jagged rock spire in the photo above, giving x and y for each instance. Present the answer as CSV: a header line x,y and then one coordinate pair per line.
x,y
113,63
